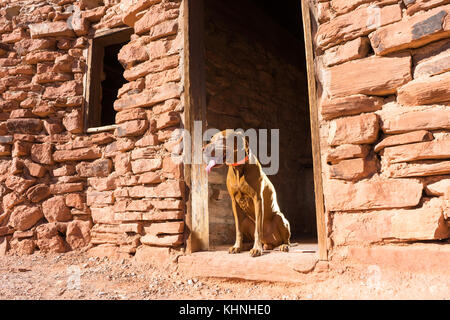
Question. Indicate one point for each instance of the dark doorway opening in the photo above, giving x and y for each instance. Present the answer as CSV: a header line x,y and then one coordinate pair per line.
x,y
112,82
256,78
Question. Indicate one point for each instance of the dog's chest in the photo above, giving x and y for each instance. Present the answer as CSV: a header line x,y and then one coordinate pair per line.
x,y
244,201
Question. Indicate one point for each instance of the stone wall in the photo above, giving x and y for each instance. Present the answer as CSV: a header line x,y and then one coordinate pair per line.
x,y
61,188
255,81
384,87
384,74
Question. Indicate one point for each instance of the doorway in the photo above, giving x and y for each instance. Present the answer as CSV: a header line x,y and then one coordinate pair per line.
x,y
254,75
256,78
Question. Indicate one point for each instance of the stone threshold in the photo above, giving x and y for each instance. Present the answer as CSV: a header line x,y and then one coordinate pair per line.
x,y
273,266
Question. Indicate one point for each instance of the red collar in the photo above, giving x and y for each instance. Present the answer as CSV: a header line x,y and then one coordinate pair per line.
x,y
243,161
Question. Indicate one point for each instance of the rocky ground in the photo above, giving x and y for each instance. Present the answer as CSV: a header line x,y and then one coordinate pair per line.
x,y
75,275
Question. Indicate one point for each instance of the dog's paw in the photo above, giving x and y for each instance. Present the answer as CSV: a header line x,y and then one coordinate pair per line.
x,y
255,252
233,250
284,248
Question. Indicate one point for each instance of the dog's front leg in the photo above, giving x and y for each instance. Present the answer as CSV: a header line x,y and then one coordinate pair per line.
x,y
237,222
259,217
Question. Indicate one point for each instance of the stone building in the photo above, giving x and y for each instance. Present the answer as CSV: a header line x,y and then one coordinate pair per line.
x,y
95,95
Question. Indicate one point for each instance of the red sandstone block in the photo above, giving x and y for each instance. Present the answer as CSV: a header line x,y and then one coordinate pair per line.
x,y
98,168
131,227
14,36
149,178
425,91
145,165
354,169
19,184
11,200
95,14
40,56
66,187
132,87
51,29
167,204
43,111
167,119
347,151
370,76
42,153
78,234
351,50
425,223
102,138
437,149
128,216
164,241
359,22
413,32
133,53
162,77
144,153
430,119
372,194
64,170
122,163
38,193
66,89
139,205
157,14
51,77
15,95
422,5
55,209
27,45
103,215
148,98
361,129
148,140
130,15
130,114
9,62
132,128
344,6
164,29
23,69
154,66
435,65
166,106
21,148
24,217
75,200
35,170
406,138
439,187
102,198
77,154
350,105
173,167
103,184
159,228
26,126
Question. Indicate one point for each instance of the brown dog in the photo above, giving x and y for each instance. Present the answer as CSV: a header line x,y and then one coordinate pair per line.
x,y
254,201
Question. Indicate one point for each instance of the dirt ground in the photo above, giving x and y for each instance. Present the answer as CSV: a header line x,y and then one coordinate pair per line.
x,y
74,275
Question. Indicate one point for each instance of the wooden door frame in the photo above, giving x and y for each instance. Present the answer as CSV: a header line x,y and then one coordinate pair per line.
x,y
195,110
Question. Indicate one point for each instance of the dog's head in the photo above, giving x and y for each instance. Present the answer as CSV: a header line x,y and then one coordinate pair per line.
x,y
226,147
